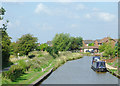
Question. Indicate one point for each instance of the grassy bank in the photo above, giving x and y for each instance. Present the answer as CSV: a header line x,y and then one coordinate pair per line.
x,y
113,62
41,62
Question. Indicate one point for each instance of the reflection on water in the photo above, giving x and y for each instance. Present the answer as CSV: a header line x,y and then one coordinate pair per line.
x,y
79,72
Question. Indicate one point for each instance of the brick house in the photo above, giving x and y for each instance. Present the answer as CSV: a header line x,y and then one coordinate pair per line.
x,y
90,48
97,43
87,47
109,39
87,42
49,43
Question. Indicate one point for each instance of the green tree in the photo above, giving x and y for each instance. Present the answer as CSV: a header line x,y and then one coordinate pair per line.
x,y
5,47
52,51
13,48
61,41
102,47
76,43
26,44
109,50
5,40
91,44
43,47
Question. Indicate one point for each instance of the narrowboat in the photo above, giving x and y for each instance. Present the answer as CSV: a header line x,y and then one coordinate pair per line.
x,y
97,65
96,58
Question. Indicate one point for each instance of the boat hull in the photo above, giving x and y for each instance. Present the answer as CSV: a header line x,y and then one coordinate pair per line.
x,y
99,69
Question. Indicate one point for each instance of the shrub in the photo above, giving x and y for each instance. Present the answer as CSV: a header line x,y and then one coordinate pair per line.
x,y
40,55
5,81
14,72
35,64
25,65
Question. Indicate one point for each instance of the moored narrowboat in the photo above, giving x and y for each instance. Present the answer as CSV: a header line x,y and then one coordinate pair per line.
x,y
97,65
96,58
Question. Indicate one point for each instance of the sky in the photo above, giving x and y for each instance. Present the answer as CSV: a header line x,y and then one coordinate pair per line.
x,y
89,20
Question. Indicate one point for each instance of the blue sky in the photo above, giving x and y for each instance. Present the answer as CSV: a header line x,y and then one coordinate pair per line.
x,y
90,20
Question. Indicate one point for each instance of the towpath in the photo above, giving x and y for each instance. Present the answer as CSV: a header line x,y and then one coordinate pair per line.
x,y
110,67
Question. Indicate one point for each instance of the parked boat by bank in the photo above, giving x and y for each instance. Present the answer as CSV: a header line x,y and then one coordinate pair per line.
x,y
97,65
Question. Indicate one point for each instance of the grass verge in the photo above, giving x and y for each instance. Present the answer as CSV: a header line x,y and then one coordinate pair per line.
x,y
30,76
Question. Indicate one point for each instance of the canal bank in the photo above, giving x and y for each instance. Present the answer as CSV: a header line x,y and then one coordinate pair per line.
x,y
79,72
112,70
56,64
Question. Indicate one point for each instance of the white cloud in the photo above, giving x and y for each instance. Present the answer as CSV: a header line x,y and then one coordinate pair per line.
x,y
74,25
80,7
44,26
95,9
73,16
42,8
14,24
106,16
88,16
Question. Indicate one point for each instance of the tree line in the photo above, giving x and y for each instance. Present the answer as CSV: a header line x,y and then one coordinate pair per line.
x,y
28,43
61,42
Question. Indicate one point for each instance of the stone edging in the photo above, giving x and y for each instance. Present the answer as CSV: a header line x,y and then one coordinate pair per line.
x,y
42,78
115,74
118,76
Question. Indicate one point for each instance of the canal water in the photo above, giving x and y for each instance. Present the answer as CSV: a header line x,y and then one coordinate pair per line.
x,y
79,72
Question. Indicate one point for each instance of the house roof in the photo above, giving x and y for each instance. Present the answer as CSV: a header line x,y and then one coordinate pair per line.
x,y
88,41
49,42
106,39
98,40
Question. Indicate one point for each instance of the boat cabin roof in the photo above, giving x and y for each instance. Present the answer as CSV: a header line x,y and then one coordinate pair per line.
x,y
100,61
96,57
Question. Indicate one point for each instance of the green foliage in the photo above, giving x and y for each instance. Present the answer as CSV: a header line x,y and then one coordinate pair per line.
x,y
5,47
42,47
55,50
102,47
91,44
2,12
25,44
24,65
14,72
5,81
13,48
4,41
108,50
63,42
52,51
40,55
76,43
